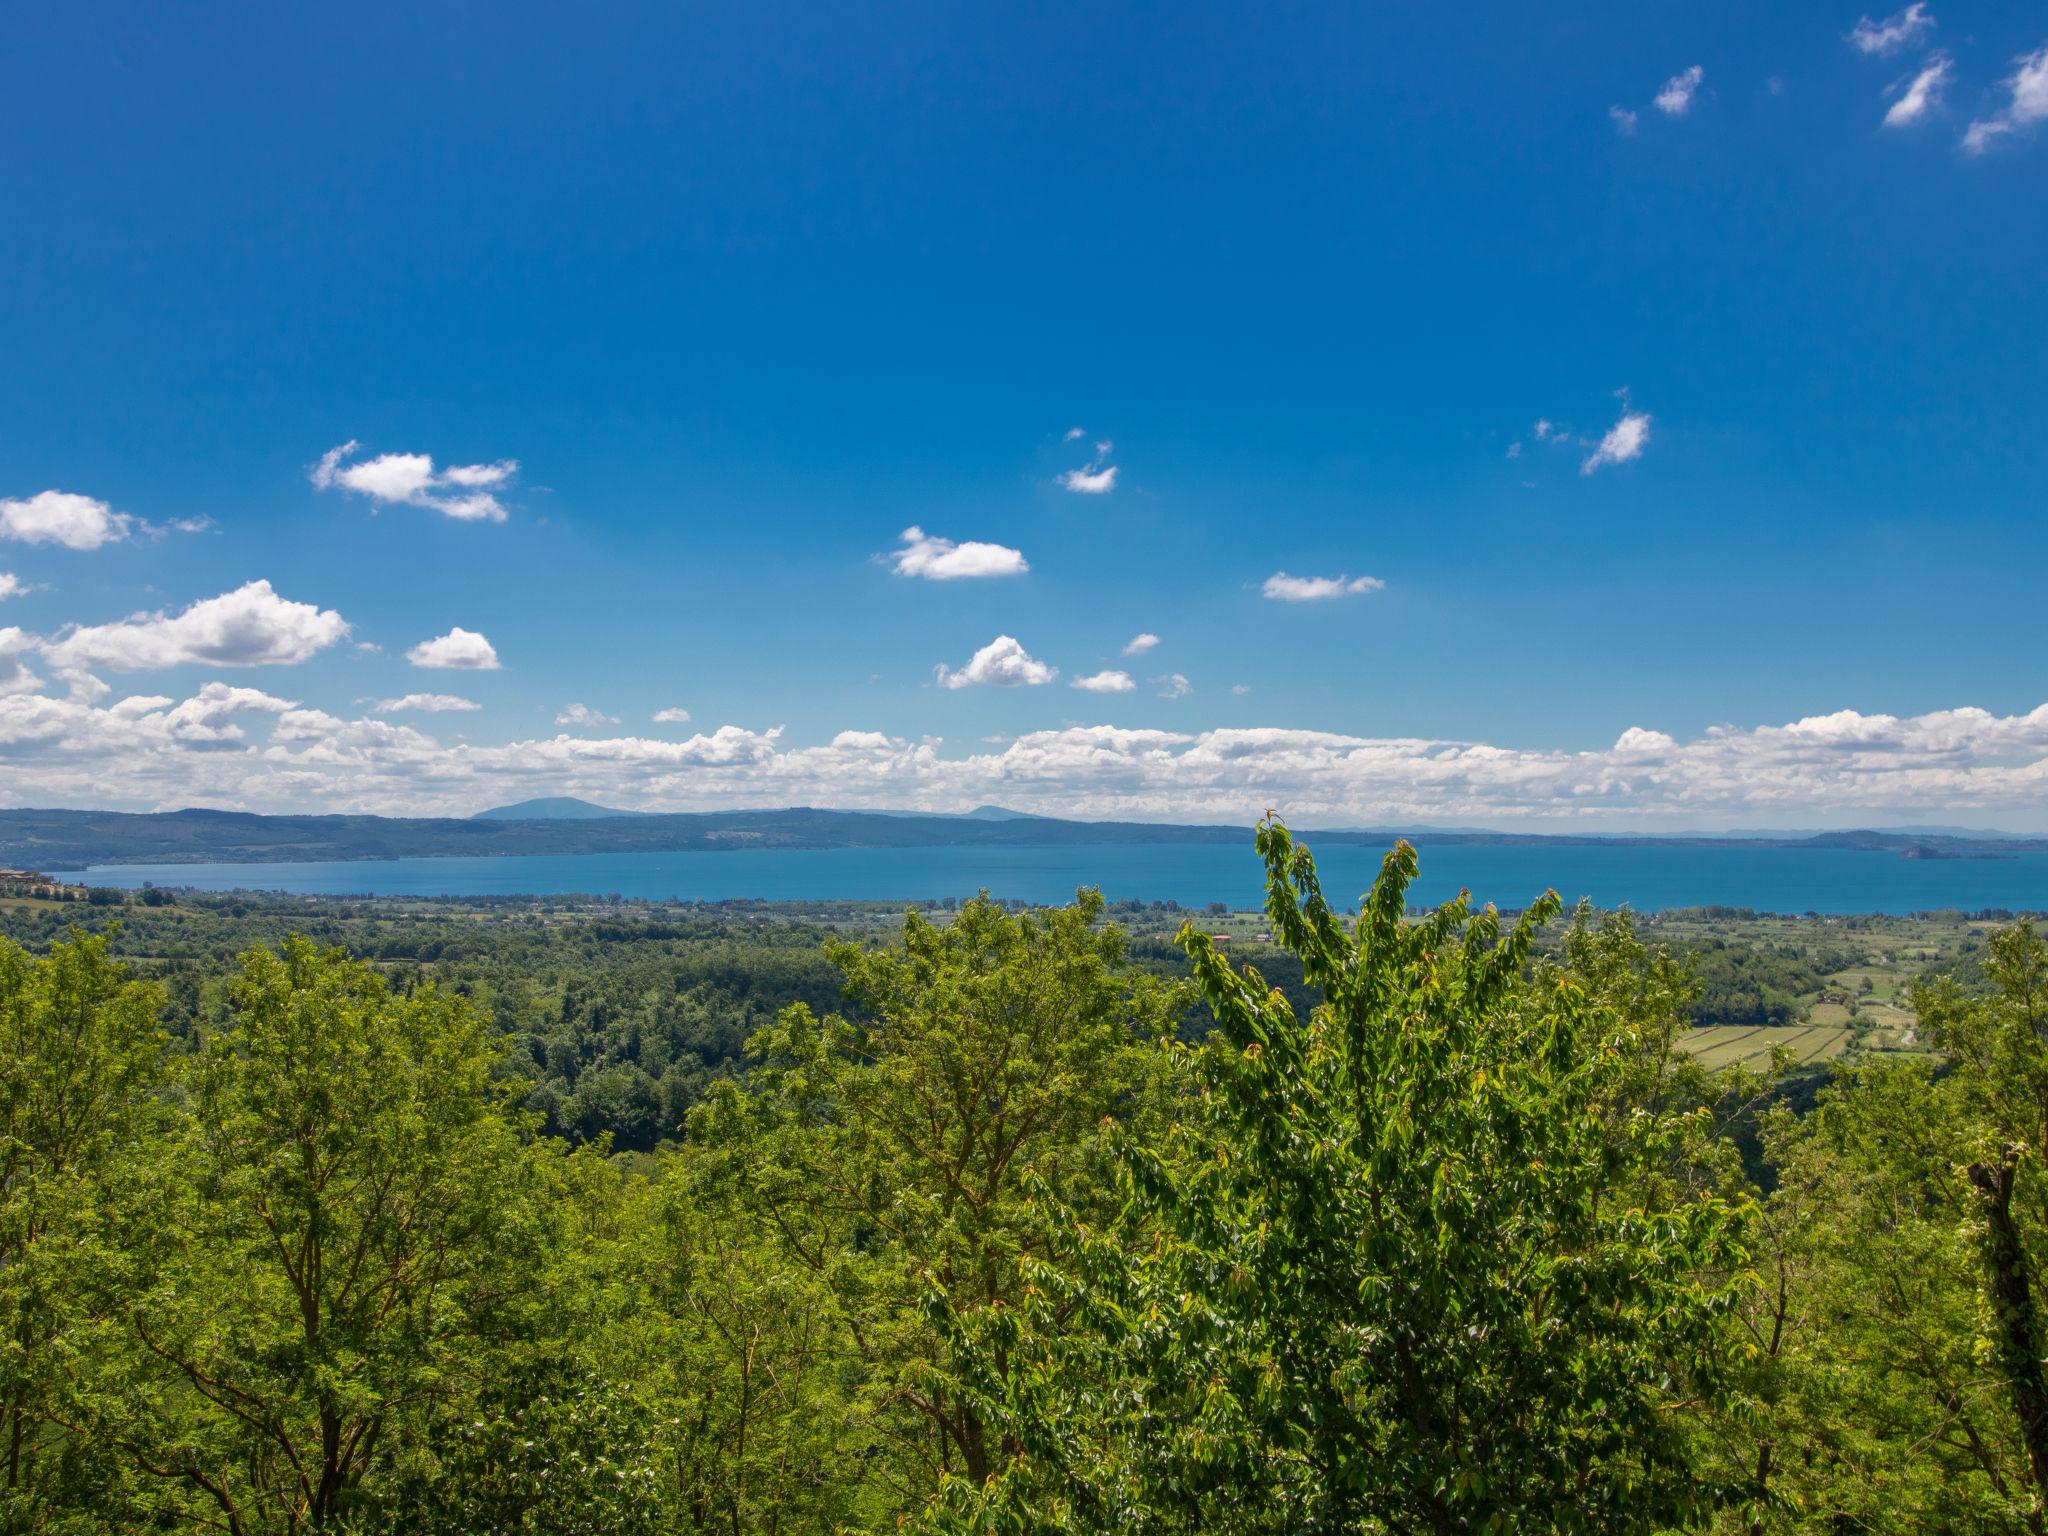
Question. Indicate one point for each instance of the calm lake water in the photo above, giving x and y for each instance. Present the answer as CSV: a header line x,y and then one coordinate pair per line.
x,y
1508,874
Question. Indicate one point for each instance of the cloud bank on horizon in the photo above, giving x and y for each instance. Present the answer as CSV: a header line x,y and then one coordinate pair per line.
x,y
250,749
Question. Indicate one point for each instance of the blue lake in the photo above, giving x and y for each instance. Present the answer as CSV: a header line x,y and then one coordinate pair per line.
x,y
1508,874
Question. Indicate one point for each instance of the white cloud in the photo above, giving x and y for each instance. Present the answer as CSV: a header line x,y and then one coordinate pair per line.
x,y
1098,479
427,703
1625,440
582,715
1105,682
937,559
249,627
1240,689
461,491
11,585
1002,663
1514,450
16,676
1283,588
1140,643
1624,120
2027,106
460,650
1544,430
672,716
1844,768
1173,686
1074,434
1924,94
1090,482
63,517
1894,32
1675,100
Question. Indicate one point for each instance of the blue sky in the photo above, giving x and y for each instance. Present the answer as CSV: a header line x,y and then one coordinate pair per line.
x,y
746,292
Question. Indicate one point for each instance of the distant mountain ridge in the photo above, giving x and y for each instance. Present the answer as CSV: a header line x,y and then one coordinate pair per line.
x,y
550,808
69,840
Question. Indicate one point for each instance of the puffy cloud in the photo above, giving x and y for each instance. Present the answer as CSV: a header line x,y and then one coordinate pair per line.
x,y
1675,99
2027,105
937,559
673,715
63,517
1625,440
1002,663
427,703
249,627
462,491
1173,686
460,650
1924,94
1090,482
15,674
11,585
583,716
1098,478
1074,434
1104,682
1140,643
1894,32
1826,768
1283,588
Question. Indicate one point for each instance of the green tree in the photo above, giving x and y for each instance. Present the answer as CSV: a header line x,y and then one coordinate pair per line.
x,y
890,1144
80,1055
348,1184
1397,1267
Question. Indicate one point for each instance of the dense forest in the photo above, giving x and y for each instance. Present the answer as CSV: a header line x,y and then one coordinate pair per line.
x,y
356,1218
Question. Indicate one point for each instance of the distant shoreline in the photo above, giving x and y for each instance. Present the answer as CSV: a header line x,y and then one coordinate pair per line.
x,y
77,840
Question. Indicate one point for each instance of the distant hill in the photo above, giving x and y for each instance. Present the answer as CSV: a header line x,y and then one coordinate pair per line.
x,y
549,808
69,840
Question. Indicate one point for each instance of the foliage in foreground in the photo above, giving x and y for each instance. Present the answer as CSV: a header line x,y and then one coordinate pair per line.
x,y
1007,1245
1396,1266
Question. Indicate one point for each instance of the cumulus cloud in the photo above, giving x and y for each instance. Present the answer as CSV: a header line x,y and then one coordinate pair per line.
x,y
11,585
1624,120
1140,643
1173,686
63,517
1923,94
466,492
1896,31
672,716
1625,440
2025,106
1104,682
460,650
1675,99
427,703
936,559
582,715
1074,434
1098,478
1283,588
1090,482
249,627
212,749
1002,663
16,676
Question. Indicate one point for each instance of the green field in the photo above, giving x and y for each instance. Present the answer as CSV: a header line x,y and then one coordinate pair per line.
x,y
1727,1045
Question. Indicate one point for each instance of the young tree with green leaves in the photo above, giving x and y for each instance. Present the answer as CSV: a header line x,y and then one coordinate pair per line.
x,y
80,1060
349,1188
890,1144
1397,1266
